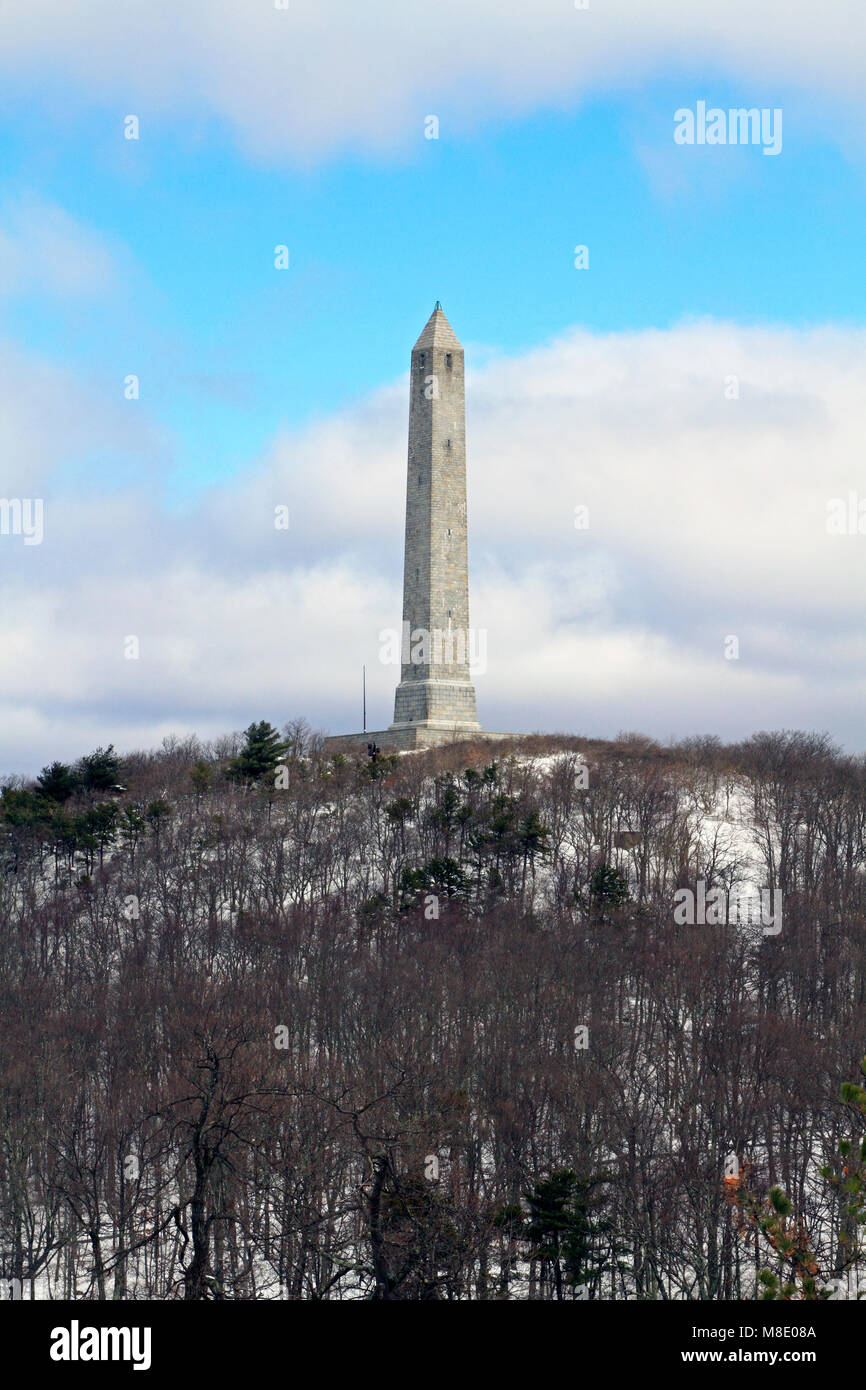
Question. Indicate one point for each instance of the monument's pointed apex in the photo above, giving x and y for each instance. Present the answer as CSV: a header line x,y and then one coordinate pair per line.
x,y
437,332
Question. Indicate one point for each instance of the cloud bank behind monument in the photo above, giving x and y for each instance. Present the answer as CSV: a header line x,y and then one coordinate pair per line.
x,y
260,71
588,630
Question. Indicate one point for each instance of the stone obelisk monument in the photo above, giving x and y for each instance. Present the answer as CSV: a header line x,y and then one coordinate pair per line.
x,y
435,701
436,693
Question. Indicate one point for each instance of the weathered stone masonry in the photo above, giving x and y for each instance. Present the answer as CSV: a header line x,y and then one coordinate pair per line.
x,y
437,694
435,700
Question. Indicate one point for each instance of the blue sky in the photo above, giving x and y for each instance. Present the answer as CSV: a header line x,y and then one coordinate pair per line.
x,y
229,348
156,257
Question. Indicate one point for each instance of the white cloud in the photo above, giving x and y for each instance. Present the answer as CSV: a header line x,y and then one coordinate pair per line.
x,y
323,75
49,419
45,251
678,478
707,519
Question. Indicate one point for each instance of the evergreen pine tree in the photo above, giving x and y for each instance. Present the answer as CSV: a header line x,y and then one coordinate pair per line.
x,y
561,1228
56,783
608,888
260,755
100,771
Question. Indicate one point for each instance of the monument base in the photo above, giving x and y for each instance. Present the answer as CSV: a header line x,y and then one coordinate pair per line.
x,y
405,738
